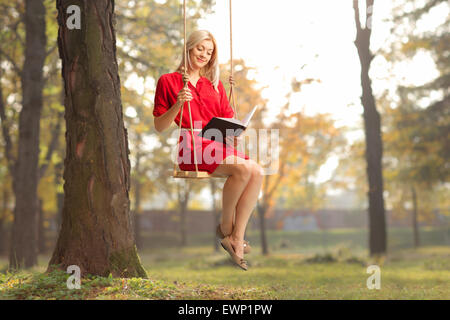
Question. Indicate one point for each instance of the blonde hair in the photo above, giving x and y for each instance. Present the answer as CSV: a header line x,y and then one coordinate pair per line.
x,y
211,70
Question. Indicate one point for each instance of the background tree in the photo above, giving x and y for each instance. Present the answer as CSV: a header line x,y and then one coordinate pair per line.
x,y
372,130
24,166
12,50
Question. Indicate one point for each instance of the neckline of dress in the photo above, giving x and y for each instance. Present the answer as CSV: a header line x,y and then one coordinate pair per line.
x,y
201,77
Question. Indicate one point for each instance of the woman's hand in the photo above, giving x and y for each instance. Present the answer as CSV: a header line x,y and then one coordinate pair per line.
x,y
184,94
231,80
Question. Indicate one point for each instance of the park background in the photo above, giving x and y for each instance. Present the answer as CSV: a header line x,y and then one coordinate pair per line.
x,y
298,61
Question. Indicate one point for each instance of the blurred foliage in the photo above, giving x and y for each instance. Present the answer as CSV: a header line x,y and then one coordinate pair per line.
x,y
423,115
12,41
306,143
417,122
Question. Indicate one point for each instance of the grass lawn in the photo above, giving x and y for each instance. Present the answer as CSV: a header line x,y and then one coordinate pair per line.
x,y
288,272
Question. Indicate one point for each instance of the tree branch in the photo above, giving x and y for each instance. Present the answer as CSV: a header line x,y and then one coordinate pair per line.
x,y
356,10
50,51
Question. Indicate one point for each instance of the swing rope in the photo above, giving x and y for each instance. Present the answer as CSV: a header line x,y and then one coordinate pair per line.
x,y
231,95
185,82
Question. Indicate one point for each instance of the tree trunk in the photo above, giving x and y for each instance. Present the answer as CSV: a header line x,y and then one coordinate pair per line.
x,y
23,250
414,218
183,223
183,192
2,236
215,213
3,230
374,146
41,228
96,232
262,224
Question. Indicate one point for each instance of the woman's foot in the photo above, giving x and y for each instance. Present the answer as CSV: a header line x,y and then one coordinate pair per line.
x,y
238,246
220,234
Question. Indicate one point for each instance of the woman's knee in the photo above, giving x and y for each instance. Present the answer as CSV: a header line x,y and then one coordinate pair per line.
x,y
243,171
257,171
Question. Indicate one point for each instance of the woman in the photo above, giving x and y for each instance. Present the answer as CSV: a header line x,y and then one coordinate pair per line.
x,y
208,99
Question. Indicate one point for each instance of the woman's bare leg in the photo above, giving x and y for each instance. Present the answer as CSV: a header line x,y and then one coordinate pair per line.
x,y
239,176
244,208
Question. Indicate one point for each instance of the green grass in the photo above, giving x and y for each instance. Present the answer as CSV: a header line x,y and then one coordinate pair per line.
x,y
296,268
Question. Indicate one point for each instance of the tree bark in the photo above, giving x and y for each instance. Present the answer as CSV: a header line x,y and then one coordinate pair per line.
x,y
374,146
96,232
23,250
414,218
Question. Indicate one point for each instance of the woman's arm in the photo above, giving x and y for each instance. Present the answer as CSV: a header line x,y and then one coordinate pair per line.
x,y
163,121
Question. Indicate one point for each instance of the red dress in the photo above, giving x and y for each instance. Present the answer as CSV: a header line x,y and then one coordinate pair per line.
x,y
206,104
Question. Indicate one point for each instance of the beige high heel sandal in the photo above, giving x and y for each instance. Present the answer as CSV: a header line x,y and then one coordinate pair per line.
x,y
226,244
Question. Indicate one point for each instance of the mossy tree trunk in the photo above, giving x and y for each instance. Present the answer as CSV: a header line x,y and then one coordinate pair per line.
x,y
96,232
23,249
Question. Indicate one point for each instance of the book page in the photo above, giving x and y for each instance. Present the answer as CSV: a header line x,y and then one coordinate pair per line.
x,y
232,120
247,118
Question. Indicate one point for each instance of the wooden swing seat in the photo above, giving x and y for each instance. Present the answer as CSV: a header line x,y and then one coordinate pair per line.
x,y
197,175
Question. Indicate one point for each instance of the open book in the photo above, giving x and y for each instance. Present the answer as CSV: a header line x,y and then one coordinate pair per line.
x,y
222,124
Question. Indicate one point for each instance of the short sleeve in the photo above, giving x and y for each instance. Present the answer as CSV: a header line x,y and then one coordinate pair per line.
x,y
161,98
227,111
